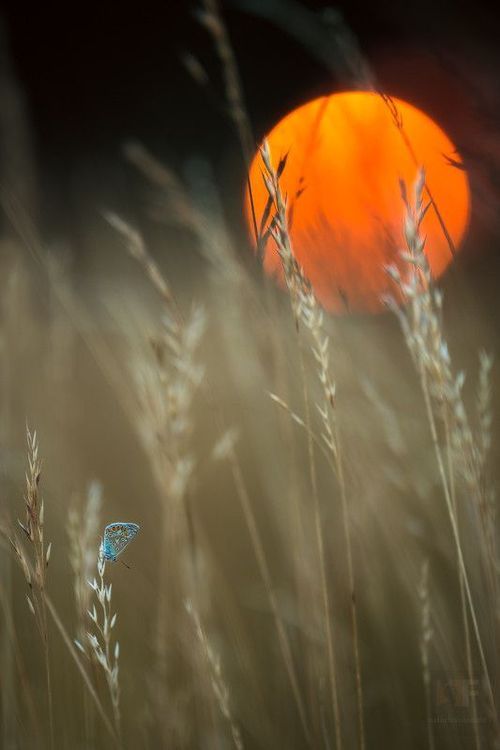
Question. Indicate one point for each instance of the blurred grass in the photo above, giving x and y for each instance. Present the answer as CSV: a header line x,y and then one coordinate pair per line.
x,y
108,360
90,425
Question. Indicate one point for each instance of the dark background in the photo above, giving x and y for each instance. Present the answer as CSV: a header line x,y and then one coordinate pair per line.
x,y
95,75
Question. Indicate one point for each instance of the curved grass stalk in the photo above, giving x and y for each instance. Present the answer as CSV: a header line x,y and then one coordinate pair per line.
x,y
307,312
420,322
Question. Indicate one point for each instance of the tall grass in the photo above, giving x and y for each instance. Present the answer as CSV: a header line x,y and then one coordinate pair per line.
x,y
34,564
323,574
462,456
257,609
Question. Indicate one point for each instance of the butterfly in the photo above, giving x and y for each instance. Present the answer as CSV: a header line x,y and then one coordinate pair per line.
x,y
116,537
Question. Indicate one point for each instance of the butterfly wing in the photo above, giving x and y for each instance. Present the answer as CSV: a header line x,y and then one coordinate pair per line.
x,y
116,537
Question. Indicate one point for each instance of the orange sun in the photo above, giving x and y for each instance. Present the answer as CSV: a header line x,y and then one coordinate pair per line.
x,y
346,157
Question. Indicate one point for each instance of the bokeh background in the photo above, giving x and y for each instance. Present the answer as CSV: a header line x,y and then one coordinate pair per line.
x,y
83,91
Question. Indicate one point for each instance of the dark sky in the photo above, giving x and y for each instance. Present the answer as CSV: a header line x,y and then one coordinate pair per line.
x,y
96,74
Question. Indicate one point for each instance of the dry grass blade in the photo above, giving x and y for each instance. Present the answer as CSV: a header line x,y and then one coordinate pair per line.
x,y
83,532
219,686
212,19
420,320
88,684
260,555
104,650
308,314
35,569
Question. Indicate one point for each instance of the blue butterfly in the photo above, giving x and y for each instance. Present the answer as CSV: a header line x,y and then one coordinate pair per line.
x,y
116,537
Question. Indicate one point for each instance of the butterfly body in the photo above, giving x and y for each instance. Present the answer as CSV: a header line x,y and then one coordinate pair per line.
x,y
116,537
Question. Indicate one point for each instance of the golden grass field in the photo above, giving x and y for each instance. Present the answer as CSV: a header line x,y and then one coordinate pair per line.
x,y
317,564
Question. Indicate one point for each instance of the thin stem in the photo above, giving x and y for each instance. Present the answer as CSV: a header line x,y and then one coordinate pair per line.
x,y
234,92
350,572
320,446
27,688
425,638
306,310
45,638
85,677
456,537
266,577
327,607
465,619
49,683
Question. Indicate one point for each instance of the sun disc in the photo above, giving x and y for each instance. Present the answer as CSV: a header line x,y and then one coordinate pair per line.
x,y
346,158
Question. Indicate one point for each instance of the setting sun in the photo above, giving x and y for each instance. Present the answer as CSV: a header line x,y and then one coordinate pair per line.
x,y
347,154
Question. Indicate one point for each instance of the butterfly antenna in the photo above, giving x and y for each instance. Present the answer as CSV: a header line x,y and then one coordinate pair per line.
x,y
124,563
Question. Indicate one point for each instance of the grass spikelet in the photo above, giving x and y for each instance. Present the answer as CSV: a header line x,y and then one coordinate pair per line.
x,y
103,648
167,381
442,387
35,566
308,313
83,532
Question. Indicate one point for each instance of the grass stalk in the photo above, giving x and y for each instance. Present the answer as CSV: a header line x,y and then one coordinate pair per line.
x,y
420,321
318,528
86,680
307,312
425,638
260,556
456,539
35,571
346,524
102,649
463,602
